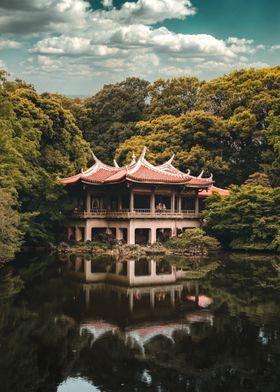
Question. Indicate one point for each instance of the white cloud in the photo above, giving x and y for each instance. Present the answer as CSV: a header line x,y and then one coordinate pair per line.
x,y
107,3
73,39
72,46
9,44
151,11
275,48
230,66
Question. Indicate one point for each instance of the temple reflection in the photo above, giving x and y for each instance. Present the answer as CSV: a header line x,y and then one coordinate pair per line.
x,y
138,300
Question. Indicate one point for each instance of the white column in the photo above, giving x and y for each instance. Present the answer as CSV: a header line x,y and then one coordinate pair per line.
x,y
69,232
118,267
87,269
152,202
197,205
179,202
152,267
119,234
131,301
172,295
130,271
88,206
119,202
87,232
131,235
78,235
131,204
152,298
87,295
173,201
153,235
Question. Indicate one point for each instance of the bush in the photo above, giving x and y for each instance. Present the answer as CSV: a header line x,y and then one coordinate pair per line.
x,y
194,242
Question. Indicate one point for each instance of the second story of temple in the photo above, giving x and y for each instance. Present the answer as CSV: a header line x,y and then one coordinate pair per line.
x,y
140,193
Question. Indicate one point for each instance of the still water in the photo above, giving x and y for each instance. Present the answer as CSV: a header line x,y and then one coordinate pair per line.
x,y
81,325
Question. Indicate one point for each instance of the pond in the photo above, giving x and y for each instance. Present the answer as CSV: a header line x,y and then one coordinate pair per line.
x,y
86,325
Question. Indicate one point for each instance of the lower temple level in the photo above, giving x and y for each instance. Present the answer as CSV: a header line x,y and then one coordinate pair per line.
x,y
133,231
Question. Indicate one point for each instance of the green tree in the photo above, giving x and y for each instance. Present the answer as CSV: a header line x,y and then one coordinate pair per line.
x,y
172,96
10,233
192,137
249,218
112,113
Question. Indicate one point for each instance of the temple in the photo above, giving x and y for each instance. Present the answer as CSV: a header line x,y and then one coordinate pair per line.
x,y
138,203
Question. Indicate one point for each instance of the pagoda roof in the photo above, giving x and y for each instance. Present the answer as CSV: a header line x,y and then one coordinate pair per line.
x,y
138,171
212,190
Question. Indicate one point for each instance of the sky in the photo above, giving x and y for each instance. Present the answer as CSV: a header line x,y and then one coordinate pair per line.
x,y
76,46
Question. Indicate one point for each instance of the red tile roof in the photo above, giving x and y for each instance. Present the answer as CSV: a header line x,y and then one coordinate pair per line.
x,y
213,189
141,172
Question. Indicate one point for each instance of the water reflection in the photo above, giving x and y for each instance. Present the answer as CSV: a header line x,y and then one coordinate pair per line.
x,y
63,330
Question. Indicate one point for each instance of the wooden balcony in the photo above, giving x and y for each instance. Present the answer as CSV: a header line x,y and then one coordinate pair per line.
x,y
137,213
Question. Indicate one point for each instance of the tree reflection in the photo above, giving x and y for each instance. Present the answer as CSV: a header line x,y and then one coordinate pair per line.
x,y
42,344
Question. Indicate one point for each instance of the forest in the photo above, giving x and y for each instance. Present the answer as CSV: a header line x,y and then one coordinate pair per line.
x,y
229,126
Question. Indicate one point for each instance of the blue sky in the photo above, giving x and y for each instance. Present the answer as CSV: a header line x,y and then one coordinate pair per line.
x,y
75,46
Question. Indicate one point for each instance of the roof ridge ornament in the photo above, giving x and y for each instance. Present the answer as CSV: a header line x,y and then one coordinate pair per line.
x,y
116,163
201,174
94,156
142,156
133,161
170,160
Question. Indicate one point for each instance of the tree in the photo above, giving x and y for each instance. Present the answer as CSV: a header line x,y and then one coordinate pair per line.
x,y
193,137
249,218
10,233
112,113
271,157
172,96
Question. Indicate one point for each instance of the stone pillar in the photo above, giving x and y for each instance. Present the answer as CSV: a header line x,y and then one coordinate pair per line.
x,y
87,295
153,235
88,206
119,267
131,301
172,297
130,271
119,202
131,204
179,202
197,205
173,201
78,263
131,235
152,298
69,232
78,235
152,267
119,234
88,232
87,269
152,202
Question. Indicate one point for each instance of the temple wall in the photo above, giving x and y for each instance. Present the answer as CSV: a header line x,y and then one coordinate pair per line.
x,y
82,230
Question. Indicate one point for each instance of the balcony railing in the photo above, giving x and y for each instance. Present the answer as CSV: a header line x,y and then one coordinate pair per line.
x,y
137,213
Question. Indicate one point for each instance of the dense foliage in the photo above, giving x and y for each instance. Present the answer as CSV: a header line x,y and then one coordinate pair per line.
x,y
248,219
228,126
39,140
10,233
194,242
